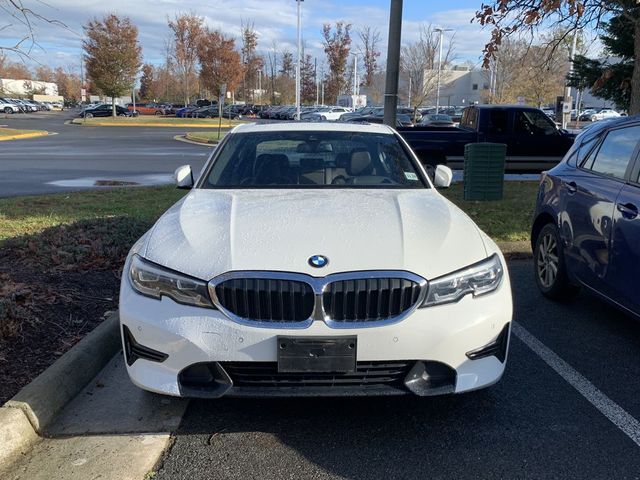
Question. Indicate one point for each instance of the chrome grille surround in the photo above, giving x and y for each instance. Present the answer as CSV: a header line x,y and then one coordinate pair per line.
x,y
320,287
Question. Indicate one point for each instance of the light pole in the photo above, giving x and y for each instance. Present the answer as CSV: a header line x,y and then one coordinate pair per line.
x,y
355,73
298,64
393,63
566,115
441,31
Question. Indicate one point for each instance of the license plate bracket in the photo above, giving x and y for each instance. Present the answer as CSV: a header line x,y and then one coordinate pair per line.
x,y
317,354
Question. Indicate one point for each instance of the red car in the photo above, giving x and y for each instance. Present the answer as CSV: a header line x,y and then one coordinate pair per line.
x,y
148,109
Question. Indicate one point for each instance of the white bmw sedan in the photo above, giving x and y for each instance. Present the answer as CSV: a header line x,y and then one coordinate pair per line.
x,y
314,259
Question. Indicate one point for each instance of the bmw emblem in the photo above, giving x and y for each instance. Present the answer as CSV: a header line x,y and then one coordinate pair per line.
x,y
318,261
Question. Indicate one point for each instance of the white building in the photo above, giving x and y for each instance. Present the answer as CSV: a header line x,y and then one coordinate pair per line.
x,y
27,87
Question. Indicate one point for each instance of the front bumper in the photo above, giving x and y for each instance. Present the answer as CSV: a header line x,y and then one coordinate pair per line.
x,y
436,339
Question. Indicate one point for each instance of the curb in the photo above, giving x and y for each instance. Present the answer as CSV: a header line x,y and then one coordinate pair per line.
x,y
35,407
24,135
184,139
163,125
200,140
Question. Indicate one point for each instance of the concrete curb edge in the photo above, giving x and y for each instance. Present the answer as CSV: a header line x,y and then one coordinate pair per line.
x,y
23,136
195,138
39,402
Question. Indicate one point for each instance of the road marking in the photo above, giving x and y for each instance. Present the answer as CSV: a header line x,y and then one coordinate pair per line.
x,y
610,409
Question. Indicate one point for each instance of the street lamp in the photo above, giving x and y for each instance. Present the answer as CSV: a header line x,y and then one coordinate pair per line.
x,y
298,64
355,72
441,31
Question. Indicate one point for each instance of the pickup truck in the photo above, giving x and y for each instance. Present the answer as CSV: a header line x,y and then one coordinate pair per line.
x,y
534,142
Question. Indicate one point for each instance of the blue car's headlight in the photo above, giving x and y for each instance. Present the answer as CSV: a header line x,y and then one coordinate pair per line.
x,y
155,281
478,279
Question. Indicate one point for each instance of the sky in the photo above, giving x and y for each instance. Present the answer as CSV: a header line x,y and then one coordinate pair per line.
x,y
274,20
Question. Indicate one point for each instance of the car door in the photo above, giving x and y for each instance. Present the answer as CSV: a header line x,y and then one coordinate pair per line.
x,y
625,252
536,141
589,198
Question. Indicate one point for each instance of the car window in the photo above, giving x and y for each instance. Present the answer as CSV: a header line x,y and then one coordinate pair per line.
x,y
497,121
615,153
533,122
312,159
585,150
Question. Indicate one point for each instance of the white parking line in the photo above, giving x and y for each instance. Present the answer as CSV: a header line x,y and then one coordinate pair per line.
x,y
610,409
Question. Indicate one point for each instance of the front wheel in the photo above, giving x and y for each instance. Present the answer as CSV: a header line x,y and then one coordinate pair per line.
x,y
88,115
8,110
550,266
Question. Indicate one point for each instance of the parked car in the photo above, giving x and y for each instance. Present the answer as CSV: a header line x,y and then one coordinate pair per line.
x,y
212,111
585,115
370,119
186,111
604,114
436,120
7,106
333,113
341,246
586,230
106,110
533,140
147,109
411,113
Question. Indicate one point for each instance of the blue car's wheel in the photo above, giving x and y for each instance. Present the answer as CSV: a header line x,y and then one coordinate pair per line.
x,y
550,267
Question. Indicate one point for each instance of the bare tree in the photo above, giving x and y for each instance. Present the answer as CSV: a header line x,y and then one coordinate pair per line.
x,y
15,12
253,63
513,17
369,50
187,31
112,55
272,60
419,63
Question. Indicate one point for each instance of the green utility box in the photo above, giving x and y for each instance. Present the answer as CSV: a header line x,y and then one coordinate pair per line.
x,y
484,171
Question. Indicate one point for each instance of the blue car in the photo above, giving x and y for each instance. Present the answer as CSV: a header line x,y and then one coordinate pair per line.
x,y
586,230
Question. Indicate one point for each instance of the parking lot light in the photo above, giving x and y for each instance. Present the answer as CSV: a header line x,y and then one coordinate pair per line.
x,y
298,64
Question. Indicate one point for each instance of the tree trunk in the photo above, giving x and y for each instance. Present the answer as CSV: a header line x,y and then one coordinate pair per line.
x,y
113,106
634,105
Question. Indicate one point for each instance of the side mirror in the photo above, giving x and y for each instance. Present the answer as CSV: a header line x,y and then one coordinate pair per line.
x,y
183,177
443,177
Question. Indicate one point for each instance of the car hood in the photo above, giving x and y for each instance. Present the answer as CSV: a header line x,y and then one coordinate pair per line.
x,y
211,232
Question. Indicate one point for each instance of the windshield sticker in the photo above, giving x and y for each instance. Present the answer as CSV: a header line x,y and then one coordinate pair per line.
x,y
411,176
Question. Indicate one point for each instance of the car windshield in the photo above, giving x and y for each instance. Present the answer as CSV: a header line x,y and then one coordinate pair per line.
x,y
312,159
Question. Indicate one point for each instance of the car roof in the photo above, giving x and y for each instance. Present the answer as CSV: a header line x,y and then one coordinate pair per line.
x,y
608,124
312,127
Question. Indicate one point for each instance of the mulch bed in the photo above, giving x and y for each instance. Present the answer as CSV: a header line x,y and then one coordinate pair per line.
x,y
55,287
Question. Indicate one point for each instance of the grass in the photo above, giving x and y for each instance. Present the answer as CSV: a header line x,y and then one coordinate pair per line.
x,y
30,215
151,120
508,220
206,137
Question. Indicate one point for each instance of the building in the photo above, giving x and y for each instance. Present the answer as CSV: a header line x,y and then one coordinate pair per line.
x,y
27,87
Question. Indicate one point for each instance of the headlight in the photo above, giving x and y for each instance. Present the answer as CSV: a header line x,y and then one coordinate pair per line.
x,y
155,281
478,279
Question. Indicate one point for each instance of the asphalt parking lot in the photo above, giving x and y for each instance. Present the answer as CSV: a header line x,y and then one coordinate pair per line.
x,y
75,157
566,408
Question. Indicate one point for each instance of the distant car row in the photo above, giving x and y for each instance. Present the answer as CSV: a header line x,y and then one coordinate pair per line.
x,y
588,114
20,105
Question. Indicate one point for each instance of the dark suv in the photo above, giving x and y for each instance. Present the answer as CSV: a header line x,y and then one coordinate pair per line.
x,y
586,230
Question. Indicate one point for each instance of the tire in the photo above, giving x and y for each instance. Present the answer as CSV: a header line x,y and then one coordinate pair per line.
x,y
88,115
8,110
550,268
122,115
157,114
323,118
